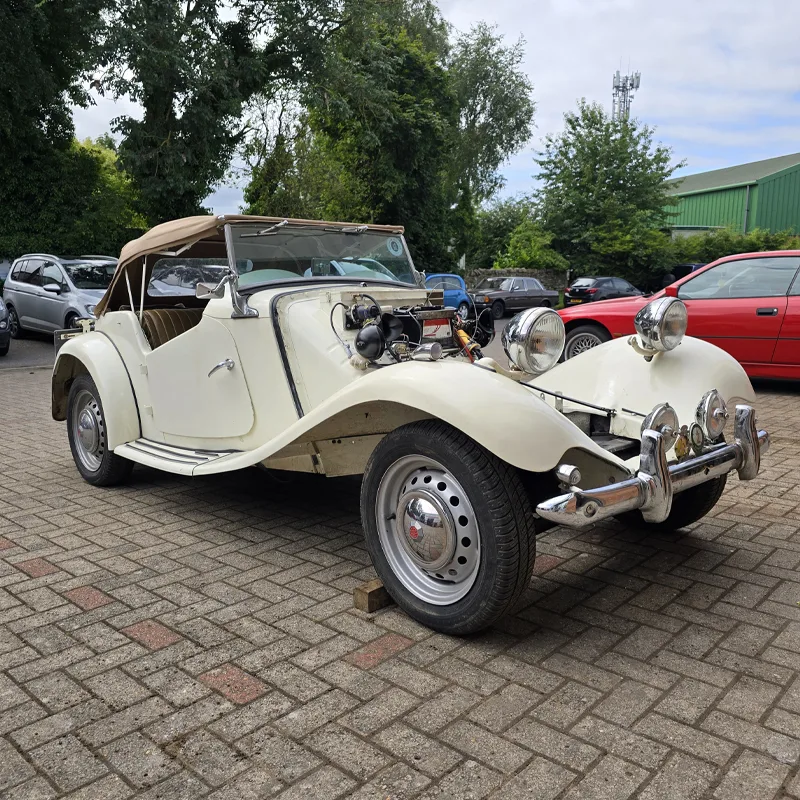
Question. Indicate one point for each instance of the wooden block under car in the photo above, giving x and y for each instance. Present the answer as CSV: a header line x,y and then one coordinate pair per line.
x,y
371,596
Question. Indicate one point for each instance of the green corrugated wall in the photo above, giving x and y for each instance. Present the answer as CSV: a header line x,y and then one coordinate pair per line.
x,y
779,201
774,204
712,209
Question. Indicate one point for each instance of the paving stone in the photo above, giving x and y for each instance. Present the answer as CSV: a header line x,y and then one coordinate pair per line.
x,y
88,598
611,779
141,761
57,691
553,744
621,742
379,711
752,775
627,702
13,768
68,763
749,698
347,751
689,700
566,705
151,634
540,780
469,781
234,684
255,784
288,760
686,738
498,711
35,789
421,752
682,778
213,760
398,781
175,686
116,689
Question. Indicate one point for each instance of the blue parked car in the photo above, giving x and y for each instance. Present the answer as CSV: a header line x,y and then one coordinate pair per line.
x,y
455,291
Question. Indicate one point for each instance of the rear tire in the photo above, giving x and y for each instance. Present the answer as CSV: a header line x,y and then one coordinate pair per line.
x,y
463,310
687,507
584,337
4,349
88,439
545,303
14,324
71,321
498,309
463,551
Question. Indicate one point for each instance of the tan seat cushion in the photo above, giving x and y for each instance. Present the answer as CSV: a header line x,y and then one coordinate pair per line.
x,y
162,324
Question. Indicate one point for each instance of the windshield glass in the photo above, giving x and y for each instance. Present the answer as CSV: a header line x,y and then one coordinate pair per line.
x,y
491,284
583,283
264,254
91,276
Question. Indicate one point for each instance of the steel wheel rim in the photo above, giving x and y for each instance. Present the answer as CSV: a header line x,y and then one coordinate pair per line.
x,y
581,343
88,429
463,309
428,530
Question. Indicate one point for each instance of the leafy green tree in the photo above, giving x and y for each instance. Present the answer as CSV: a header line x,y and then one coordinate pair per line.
x,y
530,248
192,65
602,194
495,225
48,49
714,244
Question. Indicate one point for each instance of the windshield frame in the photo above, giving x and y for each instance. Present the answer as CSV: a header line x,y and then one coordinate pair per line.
x,y
68,267
251,288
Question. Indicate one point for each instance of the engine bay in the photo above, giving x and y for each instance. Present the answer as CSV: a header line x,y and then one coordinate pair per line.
x,y
424,332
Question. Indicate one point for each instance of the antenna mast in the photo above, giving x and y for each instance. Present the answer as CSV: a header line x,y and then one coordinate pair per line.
x,y
624,87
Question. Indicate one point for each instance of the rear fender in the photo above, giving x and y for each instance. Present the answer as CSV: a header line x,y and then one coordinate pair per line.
x,y
94,354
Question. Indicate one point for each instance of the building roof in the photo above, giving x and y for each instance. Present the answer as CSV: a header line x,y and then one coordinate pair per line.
x,y
731,176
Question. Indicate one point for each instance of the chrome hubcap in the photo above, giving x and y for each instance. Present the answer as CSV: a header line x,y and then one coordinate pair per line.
x,y
580,344
428,530
89,431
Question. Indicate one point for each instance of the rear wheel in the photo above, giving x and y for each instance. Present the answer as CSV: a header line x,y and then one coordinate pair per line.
x,y
498,309
4,349
545,303
463,309
14,324
583,338
88,439
448,525
71,321
687,507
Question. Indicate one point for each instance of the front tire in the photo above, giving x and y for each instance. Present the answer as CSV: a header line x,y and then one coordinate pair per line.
x,y
463,310
71,321
498,309
449,527
687,507
583,338
88,438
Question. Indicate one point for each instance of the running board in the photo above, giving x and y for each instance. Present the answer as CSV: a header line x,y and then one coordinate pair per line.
x,y
167,457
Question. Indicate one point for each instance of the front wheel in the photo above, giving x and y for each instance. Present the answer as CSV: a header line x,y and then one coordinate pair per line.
x,y
687,507
88,440
71,321
545,303
448,525
463,309
583,338
498,309
4,349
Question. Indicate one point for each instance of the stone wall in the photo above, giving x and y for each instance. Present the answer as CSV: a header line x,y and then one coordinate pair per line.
x,y
550,278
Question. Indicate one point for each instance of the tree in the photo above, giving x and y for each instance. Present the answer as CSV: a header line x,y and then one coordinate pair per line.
x,y
192,68
49,48
602,194
495,108
495,225
529,248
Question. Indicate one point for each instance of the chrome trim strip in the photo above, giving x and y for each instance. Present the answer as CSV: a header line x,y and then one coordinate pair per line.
x,y
653,487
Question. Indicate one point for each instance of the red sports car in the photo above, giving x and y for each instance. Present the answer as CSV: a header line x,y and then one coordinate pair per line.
x,y
747,304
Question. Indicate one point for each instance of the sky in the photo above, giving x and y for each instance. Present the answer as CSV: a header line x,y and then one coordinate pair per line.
x,y
720,78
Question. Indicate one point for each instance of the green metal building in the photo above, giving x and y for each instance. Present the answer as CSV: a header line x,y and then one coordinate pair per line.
x,y
762,194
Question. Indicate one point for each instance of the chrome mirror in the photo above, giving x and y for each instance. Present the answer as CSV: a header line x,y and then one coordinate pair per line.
x,y
210,291
241,308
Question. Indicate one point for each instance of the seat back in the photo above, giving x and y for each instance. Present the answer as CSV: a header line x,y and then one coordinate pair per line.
x,y
162,324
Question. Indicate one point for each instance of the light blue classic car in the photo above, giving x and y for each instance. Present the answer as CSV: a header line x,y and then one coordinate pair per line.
x,y
455,291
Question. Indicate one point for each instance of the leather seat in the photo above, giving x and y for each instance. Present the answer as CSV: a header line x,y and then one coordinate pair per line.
x,y
162,324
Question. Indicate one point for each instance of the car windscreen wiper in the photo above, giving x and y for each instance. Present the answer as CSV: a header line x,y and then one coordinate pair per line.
x,y
266,231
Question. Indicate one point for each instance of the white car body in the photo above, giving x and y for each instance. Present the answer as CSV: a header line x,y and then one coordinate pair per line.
x,y
280,387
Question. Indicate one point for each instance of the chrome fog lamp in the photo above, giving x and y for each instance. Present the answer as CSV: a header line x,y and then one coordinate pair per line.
x,y
664,420
712,414
661,324
534,340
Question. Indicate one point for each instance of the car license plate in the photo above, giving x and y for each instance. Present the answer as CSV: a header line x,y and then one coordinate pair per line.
x,y
436,329
575,300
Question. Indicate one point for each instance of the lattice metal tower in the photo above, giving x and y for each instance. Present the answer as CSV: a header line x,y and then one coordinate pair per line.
x,y
624,87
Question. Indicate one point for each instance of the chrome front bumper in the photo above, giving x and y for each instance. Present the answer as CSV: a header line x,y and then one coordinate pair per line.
x,y
652,488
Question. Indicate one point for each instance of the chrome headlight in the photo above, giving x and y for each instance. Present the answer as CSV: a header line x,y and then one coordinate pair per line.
x,y
90,310
534,340
663,419
661,324
712,414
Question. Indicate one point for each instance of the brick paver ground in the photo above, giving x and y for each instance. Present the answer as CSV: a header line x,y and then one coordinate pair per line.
x,y
180,638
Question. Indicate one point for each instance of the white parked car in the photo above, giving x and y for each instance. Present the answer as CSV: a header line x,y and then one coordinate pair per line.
x,y
364,372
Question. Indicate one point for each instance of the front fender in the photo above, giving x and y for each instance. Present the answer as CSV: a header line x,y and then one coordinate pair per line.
x,y
613,375
94,353
507,419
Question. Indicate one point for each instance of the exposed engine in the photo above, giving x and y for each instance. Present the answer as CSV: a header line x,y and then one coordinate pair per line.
x,y
425,332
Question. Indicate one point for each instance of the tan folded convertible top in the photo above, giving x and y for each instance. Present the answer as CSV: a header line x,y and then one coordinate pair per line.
x,y
179,232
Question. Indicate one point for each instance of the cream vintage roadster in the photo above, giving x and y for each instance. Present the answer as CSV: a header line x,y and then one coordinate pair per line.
x,y
316,347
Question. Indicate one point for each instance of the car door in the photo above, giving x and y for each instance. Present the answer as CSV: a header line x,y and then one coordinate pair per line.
x,y
787,350
28,294
51,304
193,392
517,298
739,305
624,289
533,292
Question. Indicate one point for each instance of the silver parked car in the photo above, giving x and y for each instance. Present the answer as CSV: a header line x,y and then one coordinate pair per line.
x,y
46,293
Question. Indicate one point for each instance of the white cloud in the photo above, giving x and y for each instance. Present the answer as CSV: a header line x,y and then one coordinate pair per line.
x,y
719,77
